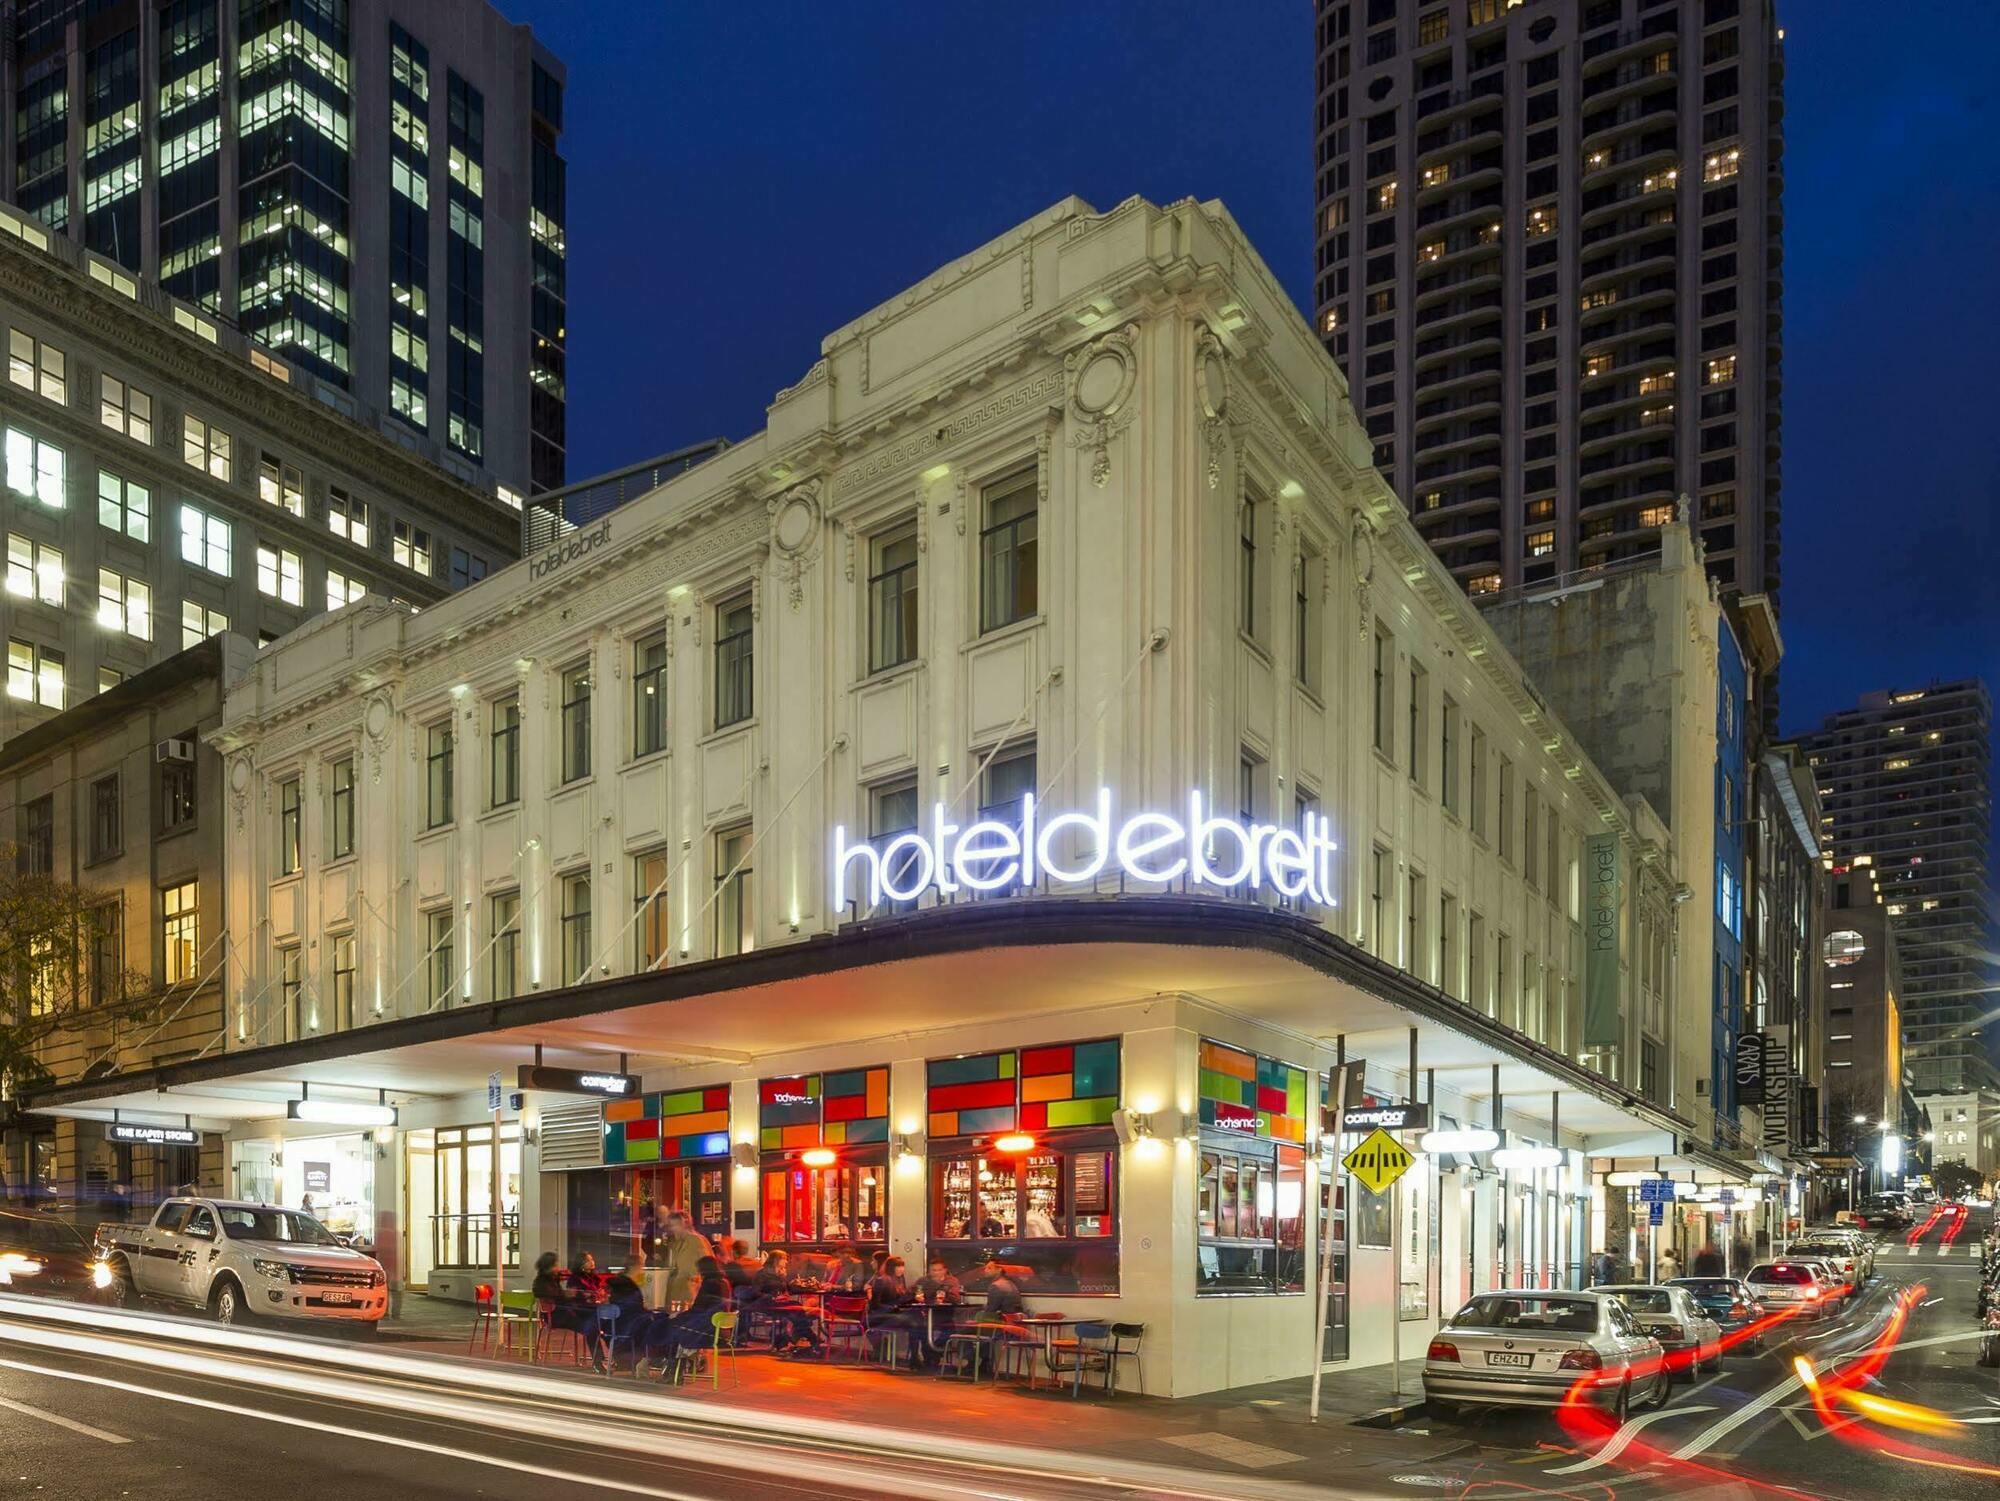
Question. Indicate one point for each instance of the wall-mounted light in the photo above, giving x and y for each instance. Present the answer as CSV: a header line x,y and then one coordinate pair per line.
x,y
743,1154
1132,1126
819,1156
341,1112
1017,1141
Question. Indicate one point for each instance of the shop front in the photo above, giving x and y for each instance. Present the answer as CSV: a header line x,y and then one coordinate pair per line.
x,y
1250,1196
823,1148
331,1178
451,1175
1023,1161
663,1152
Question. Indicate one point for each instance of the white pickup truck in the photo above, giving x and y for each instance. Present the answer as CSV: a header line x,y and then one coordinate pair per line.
x,y
243,1262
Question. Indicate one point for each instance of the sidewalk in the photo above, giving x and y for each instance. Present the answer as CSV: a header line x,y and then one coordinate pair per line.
x,y
1261,1430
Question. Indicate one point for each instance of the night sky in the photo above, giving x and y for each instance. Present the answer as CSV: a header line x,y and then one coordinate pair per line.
x,y
745,177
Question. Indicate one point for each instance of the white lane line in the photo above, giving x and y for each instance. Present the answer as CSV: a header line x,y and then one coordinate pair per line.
x,y
1617,1443
62,1422
1735,1419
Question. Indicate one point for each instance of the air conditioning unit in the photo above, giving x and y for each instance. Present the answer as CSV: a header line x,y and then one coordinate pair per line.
x,y
173,750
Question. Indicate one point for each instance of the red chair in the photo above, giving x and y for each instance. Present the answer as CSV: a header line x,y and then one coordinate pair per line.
x,y
485,1320
844,1318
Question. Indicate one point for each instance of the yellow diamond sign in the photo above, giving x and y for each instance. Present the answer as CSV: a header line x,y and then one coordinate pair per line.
x,y
1379,1161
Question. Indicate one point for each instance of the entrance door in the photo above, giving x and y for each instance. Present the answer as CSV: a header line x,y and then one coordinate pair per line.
x,y
1333,1230
420,1207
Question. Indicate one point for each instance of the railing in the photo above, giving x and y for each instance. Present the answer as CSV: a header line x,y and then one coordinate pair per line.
x,y
467,1239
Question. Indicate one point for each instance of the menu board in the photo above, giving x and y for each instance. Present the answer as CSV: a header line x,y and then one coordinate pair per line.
x,y
1092,1183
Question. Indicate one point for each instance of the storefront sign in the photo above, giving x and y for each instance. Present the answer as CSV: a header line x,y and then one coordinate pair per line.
x,y
1152,849
578,1081
1387,1118
1656,1191
572,547
1603,1023
1750,1068
1778,1088
152,1136
318,1177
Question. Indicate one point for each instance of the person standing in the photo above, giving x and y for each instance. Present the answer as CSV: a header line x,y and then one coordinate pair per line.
x,y
1602,1270
679,1253
1708,1261
1669,1265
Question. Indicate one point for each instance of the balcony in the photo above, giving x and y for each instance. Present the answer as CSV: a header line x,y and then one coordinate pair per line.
x,y
1432,145
1600,131
1430,413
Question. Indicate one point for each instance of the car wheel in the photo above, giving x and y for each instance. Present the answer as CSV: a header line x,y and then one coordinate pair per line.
x,y
1621,1405
122,1293
1989,1351
227,1304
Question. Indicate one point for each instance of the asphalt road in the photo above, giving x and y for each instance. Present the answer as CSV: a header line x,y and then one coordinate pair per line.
x,y
1754,1429
97,1405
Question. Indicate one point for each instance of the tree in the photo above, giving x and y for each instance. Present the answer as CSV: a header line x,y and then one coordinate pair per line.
x,y
61,967
1953,1179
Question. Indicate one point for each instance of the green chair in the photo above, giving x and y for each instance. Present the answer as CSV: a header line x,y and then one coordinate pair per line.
x,y
687,1361
518,1316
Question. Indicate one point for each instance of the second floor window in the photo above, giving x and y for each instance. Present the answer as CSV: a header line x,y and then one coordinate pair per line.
x,y
437,775
577,953
576,722
107,818
1009,575
177,794
506,911
735,639
442,974
649,694
340,811
205,541
505,771
892,600
180,932
649,894
205,447
290,810
735,919
281,574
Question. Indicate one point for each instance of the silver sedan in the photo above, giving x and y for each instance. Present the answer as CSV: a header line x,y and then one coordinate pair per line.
x,y
1671,1316
1532,1348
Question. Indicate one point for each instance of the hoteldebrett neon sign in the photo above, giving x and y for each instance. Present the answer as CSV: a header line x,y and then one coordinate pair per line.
x,y
1151,849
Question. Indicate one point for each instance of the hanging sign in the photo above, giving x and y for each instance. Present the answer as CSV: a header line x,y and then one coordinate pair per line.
x,y
599,1082
127,1134
1379,1161
1750,1068
1387,1118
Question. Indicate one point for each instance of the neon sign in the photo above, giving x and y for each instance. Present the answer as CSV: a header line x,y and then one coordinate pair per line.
x,y
1151,849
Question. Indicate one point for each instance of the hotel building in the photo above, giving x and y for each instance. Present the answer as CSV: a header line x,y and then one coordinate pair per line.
x,y
986,811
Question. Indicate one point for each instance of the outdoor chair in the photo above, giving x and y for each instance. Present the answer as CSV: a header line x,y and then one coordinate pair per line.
x,y
517,1321
1120,1350
844,1320
609,1316
687,1358
494,1325
1089,1350
548,1331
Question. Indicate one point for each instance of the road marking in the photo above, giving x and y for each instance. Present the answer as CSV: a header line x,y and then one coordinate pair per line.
x,y
1723,1426
62,1422
1616,1444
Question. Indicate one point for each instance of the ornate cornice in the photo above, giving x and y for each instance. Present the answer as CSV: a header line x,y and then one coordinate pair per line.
x,y
1044,390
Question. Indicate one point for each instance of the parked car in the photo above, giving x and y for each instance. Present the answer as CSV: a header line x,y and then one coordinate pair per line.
x,y
1532,1348
244,1262
1730,1301
1789,1284
41,1252
1673,1318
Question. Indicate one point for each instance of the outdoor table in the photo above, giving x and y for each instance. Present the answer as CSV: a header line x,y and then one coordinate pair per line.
x,y
1045,1327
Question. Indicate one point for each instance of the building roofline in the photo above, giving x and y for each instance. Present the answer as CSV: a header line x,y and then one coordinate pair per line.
x,y
84,720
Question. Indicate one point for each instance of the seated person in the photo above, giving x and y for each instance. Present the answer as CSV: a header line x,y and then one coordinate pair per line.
x,y
623,1292
943,1294
566,1308
692,1329
1003,1293
585,1279
850,1272
889,1297
741,1265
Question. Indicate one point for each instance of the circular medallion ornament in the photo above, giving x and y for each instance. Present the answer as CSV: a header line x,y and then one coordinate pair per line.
x,y
1214,378
793,526
239,774
376,719
1104,381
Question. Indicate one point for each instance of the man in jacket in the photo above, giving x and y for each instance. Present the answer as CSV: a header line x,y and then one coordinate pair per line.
x,y
679,1251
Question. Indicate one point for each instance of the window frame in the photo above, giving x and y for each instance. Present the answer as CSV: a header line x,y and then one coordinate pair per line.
x,y
734,660
735,891
1007,541
440,766
649,694
503,751
577,687
578,956
180,953
342,793
291,825
900,583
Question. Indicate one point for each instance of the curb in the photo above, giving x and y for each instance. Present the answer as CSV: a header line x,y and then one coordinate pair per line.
x,y
1392,1415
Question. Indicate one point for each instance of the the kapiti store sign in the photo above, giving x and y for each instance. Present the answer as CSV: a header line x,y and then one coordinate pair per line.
x,y
1203,849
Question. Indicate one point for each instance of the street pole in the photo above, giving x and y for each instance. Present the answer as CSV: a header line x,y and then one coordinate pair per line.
x,y
1328,1191
1396,1299
499,1247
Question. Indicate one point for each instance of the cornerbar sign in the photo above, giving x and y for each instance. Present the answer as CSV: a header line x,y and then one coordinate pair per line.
x,y
1153,849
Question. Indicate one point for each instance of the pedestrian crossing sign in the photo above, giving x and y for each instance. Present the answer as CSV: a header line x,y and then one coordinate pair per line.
x,y
1379,1161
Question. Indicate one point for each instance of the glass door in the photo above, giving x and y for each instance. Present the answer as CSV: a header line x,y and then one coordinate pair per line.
x,y
1333,1235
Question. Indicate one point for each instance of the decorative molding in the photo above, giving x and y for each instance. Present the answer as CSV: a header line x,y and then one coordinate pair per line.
x,y
1103,374
960,502
818,375
274,747
795,519
378,716
1042,466
923,522
1211,385
1044,390
848,546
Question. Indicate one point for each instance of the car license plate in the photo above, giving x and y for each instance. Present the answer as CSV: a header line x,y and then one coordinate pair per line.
x,y
336,1297
1496,1357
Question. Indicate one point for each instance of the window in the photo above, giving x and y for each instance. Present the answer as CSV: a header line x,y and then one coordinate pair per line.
x,y
205,540
1419,731
205,447
467,568
1478,978
1306,577
37,855
411,546
291,991
1008,568
347,517
1475,799
576,722
199,622
35,366
1448,754
1434,27
892,599
443,977
506,913
340,811
34,570
177,792
343,980
281,574
180,932
1379,872
107,818
735,639
342,591
1447,929
34,673
281,484
35,469
124,507
125,408
105,955
504,752
892,812
290,823
735,923
1541,544
1720,371
1246,565
1249,785
1413,924
649,896
438,742
1503,977
1506,839
576,949
649,694
1384,691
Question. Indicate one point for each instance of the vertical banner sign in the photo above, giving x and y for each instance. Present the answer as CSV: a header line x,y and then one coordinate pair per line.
x,y
1603,1024
1749,1062
1778,1088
